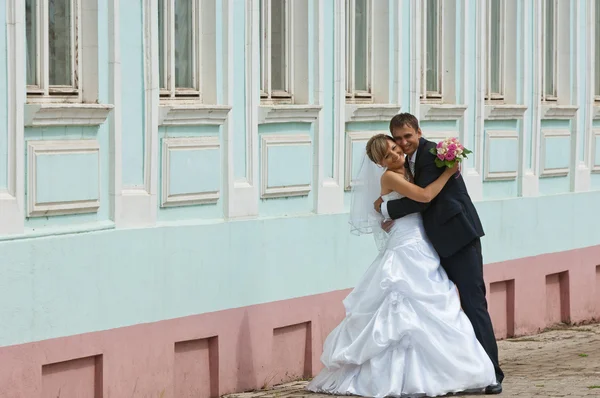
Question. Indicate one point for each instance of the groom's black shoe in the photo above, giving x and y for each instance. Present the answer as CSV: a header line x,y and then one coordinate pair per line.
x,y
493,389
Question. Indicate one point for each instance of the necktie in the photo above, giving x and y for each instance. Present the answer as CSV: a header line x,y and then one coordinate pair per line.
x,y
411,165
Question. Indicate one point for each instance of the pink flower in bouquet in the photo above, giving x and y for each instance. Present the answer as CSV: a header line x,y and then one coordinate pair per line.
x,y
449,151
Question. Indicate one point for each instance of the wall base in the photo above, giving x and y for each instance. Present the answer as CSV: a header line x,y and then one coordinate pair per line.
x,y
247,348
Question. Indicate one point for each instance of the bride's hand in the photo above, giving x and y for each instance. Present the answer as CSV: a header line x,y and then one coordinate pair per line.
x,y
386,225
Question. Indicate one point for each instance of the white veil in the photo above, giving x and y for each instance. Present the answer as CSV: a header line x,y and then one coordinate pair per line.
x,y
366,188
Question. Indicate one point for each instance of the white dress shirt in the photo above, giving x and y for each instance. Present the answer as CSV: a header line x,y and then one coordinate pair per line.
x,y
384,210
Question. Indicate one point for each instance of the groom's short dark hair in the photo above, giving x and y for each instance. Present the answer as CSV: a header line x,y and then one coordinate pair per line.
x,y
404,119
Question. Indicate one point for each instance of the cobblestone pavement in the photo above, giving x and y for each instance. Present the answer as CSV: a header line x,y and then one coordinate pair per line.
x,y
564,361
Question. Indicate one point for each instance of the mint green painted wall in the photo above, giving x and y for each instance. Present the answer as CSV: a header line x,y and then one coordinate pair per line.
x,y
64,285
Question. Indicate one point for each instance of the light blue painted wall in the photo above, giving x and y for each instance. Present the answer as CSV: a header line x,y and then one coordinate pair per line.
x,y
199,171
132,95
287,165
70,185
68,177
62,285
328,87
239,82
124,277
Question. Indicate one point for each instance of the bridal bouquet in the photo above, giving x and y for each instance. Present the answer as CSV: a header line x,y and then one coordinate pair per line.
x,y
448,152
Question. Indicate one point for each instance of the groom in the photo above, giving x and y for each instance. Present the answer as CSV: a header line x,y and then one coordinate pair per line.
x,y
453,227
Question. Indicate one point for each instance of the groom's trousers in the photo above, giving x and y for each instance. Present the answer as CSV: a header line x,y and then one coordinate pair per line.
x,y
465,269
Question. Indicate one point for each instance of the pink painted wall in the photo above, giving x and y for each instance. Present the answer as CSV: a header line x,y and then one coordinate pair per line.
x,y
247,348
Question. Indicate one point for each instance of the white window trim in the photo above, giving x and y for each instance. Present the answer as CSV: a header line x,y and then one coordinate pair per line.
x,y
509,107
168,90
82,109
44,92
432,96
352,95
552,97
85,47
489,96
563,104
450,34
197,107
266,93
385,95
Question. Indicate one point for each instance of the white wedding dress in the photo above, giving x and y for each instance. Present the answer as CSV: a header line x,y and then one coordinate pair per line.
x,y
404,333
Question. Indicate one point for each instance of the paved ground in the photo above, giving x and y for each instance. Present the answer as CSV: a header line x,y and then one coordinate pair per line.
x,y
564,361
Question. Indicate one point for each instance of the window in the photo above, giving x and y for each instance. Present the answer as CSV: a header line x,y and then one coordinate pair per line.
x,y
358,49
53,48
431,51
275,50
597,51
179,49
495,65
549,48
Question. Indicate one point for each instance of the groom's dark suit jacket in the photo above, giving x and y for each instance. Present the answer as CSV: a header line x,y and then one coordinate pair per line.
x,y
450,220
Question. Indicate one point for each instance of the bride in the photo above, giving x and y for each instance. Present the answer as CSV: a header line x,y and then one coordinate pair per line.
x,y
404,332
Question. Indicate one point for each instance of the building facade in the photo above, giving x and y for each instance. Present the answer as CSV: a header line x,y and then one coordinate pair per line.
x,y
175,175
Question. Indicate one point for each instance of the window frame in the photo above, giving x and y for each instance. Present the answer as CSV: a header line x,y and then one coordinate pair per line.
x,y
554,96
424,95
167,88
267,95
489,95
353,95
43,91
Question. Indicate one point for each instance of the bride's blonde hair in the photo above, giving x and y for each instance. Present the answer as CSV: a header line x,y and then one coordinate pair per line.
x,y
377,147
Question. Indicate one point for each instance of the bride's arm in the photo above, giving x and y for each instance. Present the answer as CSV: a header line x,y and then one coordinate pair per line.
x,y
396,182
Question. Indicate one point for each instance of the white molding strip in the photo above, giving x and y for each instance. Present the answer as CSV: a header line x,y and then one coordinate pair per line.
x,y
504,111
288,113
185,144
139,205
270,141
12,199
115,118
442,111
192,115
437,136
242,196
65,114
554,172
339,96
505,175
353,137
562,112
371,112
595,167
59,147
328,193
